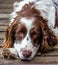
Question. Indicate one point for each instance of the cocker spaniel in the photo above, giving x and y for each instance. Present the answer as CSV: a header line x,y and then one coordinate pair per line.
x,y
33,27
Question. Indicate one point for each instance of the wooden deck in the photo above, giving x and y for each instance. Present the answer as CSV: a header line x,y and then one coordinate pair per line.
x,y
6,7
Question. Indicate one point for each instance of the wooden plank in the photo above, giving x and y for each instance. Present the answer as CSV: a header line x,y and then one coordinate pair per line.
x,y
4,22
44,60
6,10
8,1
52,53
6,6
4,16
2,35
1,43
36,60
3,28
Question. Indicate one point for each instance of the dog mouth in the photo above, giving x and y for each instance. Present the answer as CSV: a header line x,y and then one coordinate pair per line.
x,y
25,54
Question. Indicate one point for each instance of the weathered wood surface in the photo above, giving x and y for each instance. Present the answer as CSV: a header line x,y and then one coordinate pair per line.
x,y
51,57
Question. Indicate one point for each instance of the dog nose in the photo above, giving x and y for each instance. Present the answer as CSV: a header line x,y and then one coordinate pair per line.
x,y
27,53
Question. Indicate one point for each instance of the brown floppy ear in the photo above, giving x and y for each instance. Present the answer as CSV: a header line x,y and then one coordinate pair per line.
x,y
49,40
8,38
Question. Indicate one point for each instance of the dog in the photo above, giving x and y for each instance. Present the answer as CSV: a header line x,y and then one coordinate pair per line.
x,y
33,27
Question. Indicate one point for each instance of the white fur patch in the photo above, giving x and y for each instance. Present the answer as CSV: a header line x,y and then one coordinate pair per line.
x,y
27,22
11,21
55,31
13,51
47,9
44,6
18,5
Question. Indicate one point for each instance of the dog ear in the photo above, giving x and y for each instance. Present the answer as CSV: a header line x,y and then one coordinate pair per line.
x,y
8,38
49,39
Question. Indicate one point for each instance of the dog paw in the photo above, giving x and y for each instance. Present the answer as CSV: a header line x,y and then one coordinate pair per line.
x,y
5,53
13,56
8,55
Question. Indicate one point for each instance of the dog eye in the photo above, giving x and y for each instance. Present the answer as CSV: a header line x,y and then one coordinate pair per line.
x,y
20,35
20,31
32,34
